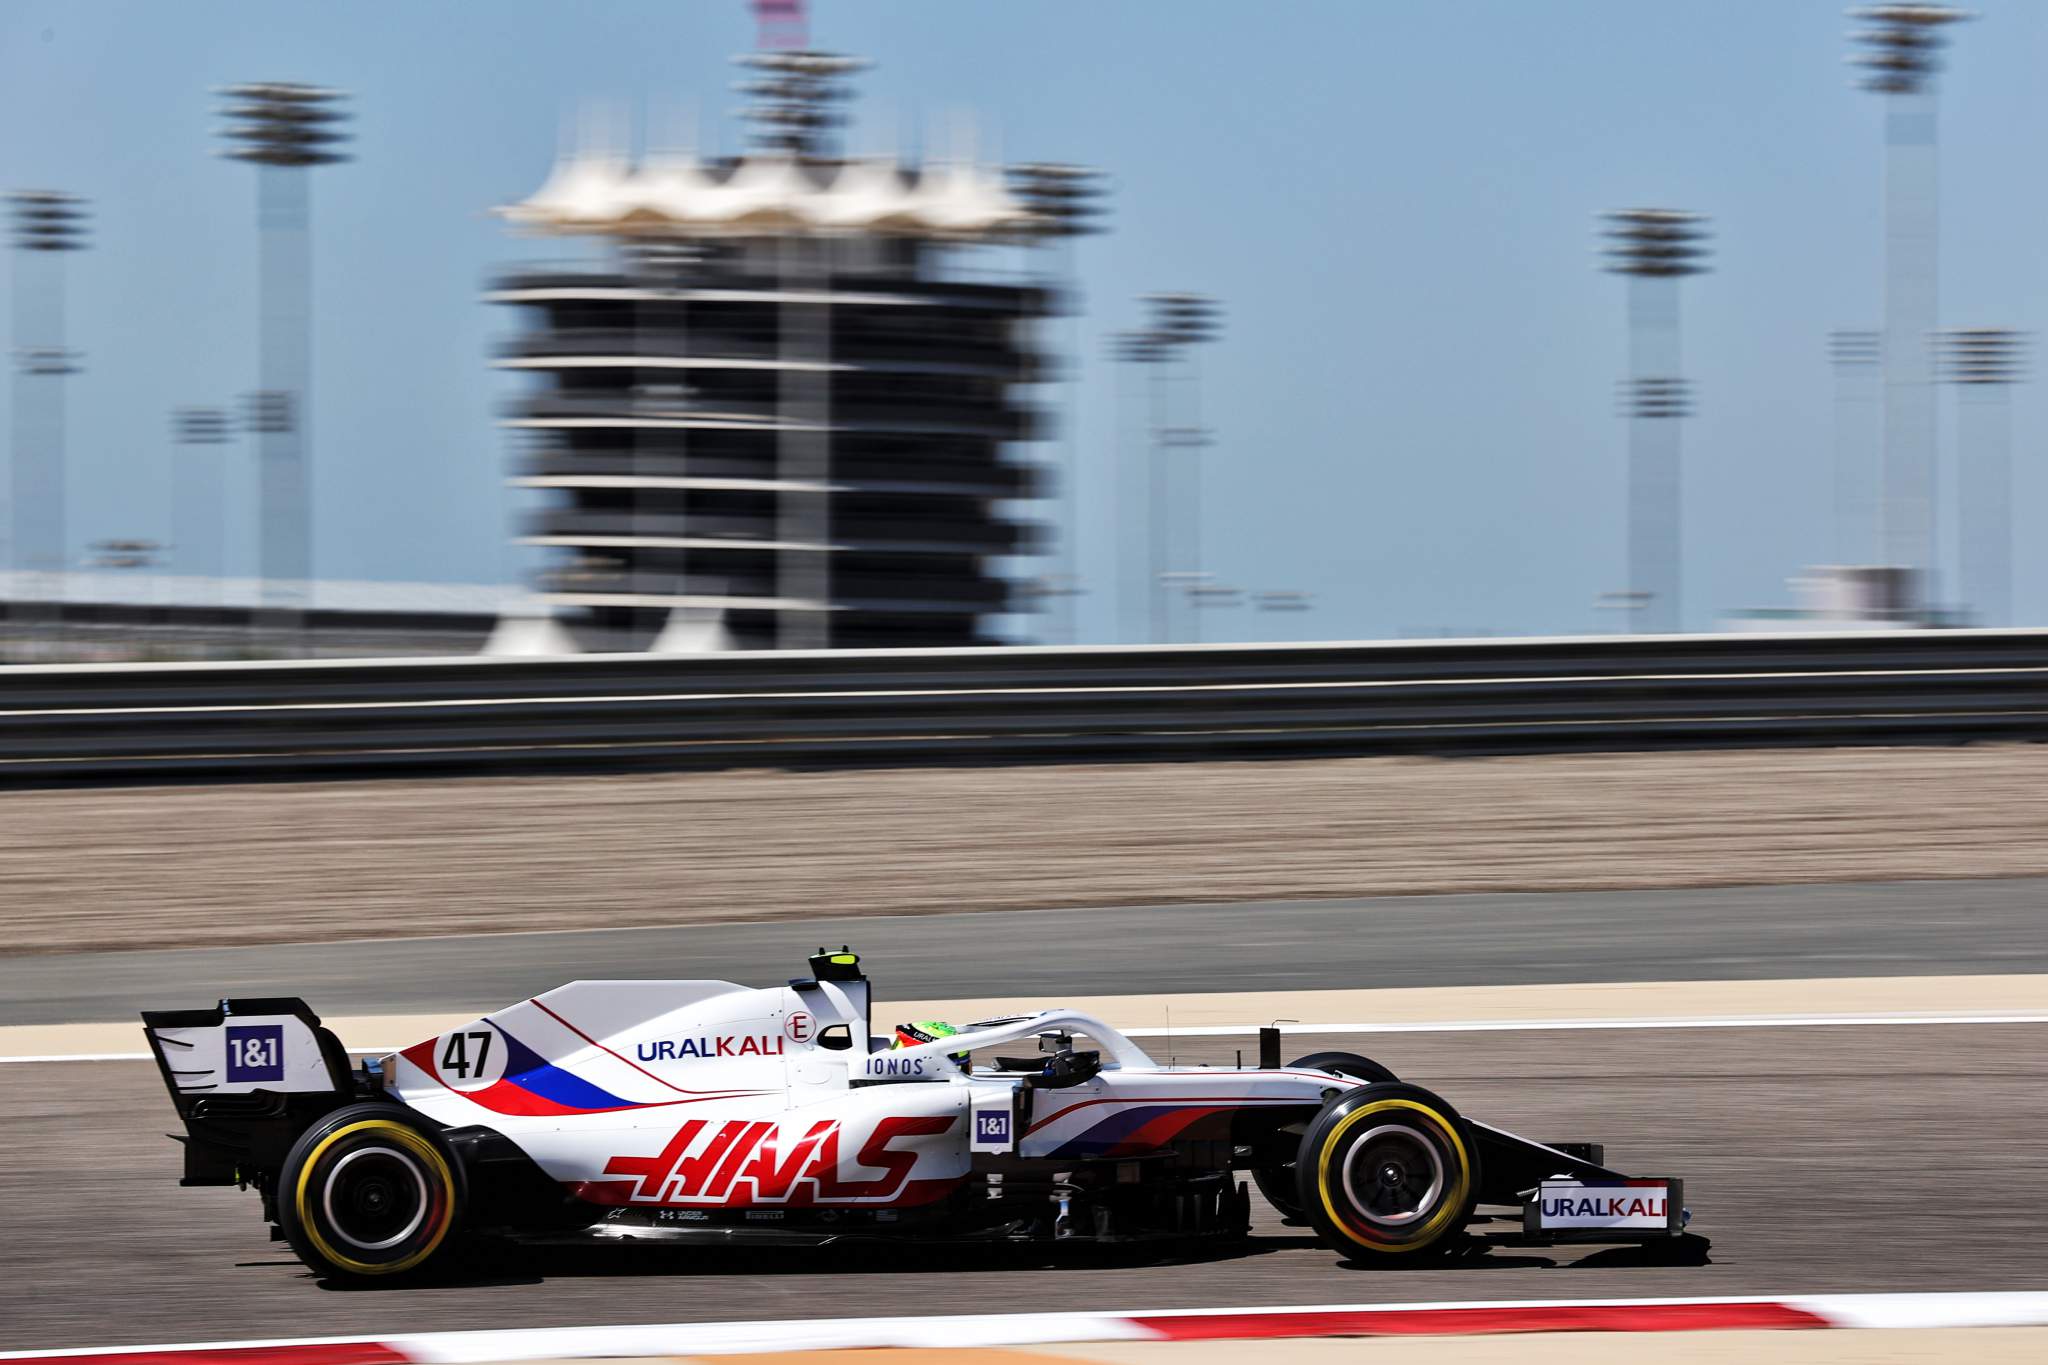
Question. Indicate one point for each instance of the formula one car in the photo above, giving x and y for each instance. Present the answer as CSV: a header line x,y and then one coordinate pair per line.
x,y
690,1111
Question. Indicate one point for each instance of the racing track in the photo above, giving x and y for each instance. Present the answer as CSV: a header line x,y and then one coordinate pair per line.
x,y
1948,928
1866,1159
1862,1158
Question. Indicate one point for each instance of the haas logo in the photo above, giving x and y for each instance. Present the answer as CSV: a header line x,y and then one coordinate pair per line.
x,y
745,1161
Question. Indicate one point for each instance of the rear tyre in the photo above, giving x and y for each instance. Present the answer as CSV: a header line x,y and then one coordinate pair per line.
x,y
1388,1174
369,1192
1276,1182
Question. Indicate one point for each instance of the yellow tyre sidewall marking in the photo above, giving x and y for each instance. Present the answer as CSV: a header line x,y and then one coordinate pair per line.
x,y
1453,1200
411,1142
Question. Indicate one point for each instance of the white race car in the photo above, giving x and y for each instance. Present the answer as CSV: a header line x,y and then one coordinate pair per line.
x,y
665,1111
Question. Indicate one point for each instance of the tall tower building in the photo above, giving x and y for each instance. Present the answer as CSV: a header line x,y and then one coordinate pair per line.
x,y
778,406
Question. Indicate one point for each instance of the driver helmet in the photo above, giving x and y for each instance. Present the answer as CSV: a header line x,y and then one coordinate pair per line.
x,y
926,1031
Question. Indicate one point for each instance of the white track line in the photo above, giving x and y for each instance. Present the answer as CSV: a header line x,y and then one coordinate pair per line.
x,y
1652,1022
1444,1026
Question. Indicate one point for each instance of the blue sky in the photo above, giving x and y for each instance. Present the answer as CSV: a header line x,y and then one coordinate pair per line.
x,y
1414,395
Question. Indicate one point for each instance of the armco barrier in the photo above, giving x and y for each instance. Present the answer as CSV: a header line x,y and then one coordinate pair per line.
x,y
885,707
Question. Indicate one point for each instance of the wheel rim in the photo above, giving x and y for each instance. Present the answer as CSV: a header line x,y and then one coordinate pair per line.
x,y
1407,1213
375,1197
1393,1176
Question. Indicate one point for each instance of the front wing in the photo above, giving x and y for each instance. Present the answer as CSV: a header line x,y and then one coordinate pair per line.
x,y
1566,1193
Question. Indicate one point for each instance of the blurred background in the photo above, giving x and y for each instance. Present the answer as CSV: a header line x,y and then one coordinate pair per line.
x,y
399,330
600,422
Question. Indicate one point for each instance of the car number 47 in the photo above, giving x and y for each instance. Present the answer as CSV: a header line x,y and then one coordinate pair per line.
x,y
462,1060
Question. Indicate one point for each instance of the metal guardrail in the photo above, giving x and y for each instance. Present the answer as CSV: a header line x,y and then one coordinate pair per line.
x,y
901,707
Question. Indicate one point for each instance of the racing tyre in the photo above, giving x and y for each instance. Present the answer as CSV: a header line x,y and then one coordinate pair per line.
x,y
1277,1182
368,1192
1388,1174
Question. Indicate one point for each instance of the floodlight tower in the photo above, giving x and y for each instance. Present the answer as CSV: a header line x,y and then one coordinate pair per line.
x,y
1137,349
783,25
1654,248
1898,47
1984,362
46,223
796,96
1064,203
285,129
1180,322
794,113
1855,356
198,536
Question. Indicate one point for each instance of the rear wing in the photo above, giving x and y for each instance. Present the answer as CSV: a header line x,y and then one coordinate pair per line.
x,y
246,1076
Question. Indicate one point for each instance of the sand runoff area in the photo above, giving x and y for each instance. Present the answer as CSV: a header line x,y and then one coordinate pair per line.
x,y
137,867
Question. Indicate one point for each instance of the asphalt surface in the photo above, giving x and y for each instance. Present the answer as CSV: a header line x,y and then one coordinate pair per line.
x,y
1847,1159
1734,933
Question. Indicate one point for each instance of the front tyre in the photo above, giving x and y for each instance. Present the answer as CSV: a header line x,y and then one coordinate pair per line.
x,y
368,1192
1387,1174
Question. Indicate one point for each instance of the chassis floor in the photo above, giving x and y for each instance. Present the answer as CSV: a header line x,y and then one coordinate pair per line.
x,y
1834,1159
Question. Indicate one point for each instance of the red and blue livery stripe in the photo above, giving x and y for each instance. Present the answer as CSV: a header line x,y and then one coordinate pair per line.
x,y
1137,1129
531,1085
